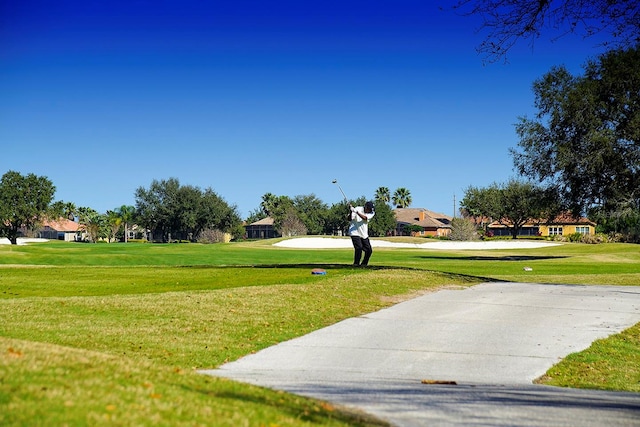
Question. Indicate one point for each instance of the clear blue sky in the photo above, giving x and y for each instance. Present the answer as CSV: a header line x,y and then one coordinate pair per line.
x,y
251,97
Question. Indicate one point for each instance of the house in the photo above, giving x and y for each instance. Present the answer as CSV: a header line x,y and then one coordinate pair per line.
x,y
60,229
421,222
564,224
262,229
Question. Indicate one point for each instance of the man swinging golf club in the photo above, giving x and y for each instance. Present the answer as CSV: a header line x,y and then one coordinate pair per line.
x,y
359,218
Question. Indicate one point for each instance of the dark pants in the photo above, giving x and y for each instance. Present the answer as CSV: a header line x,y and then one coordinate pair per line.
x,y
361,245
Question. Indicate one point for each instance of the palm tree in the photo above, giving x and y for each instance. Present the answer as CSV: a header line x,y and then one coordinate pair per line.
x,y
92,223
268,203
383,194
114,222
126,214
69,211
402,198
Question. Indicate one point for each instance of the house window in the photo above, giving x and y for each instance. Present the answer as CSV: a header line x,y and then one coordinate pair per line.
x,y
555,231
582,230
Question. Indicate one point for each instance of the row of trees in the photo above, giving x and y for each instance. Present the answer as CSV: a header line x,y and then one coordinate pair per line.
x,y
171,211
306,214
183,212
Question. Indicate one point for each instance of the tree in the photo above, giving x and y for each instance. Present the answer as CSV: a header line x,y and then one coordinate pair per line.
x,y
24,202
277,207
512,204
463,229
508,21
585,138
126,214
155,206
114,222
183,212
312,212
622,224
384,221
216,213
268,204
64,209
290,224
412,229
255,215
336,220
383,195
186,208
93,223
402,198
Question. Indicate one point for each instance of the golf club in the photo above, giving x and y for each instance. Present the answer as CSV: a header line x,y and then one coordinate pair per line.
x,y
335,181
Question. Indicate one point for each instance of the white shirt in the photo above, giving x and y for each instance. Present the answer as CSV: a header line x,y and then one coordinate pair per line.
x,y
358,226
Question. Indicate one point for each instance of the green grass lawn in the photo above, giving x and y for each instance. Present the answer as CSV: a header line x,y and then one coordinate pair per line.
x,y
113,333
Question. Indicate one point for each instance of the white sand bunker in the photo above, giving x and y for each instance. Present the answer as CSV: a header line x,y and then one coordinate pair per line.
x,y
22,240
337,243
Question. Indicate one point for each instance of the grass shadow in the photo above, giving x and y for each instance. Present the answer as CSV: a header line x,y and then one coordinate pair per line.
x,y
493,258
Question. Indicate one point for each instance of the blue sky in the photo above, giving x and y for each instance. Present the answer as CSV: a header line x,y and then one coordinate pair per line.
x,y
255,97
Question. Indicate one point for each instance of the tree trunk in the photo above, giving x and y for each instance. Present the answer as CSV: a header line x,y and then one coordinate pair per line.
x,y
514,232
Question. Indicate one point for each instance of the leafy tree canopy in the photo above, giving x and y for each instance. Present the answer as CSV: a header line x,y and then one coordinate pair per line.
x,y
24,202
585,138
384,220
183,212
312,212
512,204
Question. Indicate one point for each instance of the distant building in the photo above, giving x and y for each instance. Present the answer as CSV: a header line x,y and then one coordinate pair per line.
x,y
564,224
262,229
60,229
421,222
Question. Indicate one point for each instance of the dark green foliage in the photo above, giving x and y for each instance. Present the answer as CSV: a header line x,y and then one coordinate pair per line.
x,y
175,212
512,204
384,221
24,200
585,138
336,222
312,212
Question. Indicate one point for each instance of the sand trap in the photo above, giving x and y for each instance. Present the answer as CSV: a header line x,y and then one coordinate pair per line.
x,y
337,243
22,240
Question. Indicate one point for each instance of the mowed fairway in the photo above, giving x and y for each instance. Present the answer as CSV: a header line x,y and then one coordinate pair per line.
x,y
112,334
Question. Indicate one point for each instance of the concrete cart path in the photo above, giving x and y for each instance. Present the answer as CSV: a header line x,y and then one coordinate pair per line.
x,y
491,339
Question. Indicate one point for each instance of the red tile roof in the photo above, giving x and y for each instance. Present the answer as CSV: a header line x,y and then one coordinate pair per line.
x,y
62,224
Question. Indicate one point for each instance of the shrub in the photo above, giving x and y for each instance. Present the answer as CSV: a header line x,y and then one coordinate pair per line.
x,y
575,237
212,236
463,229
594,238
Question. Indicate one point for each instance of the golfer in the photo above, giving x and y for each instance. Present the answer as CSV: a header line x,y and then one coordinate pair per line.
x,y
359,218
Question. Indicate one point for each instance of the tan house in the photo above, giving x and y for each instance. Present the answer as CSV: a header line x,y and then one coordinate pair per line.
x,y
421,222
262,229
60,229
562,225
